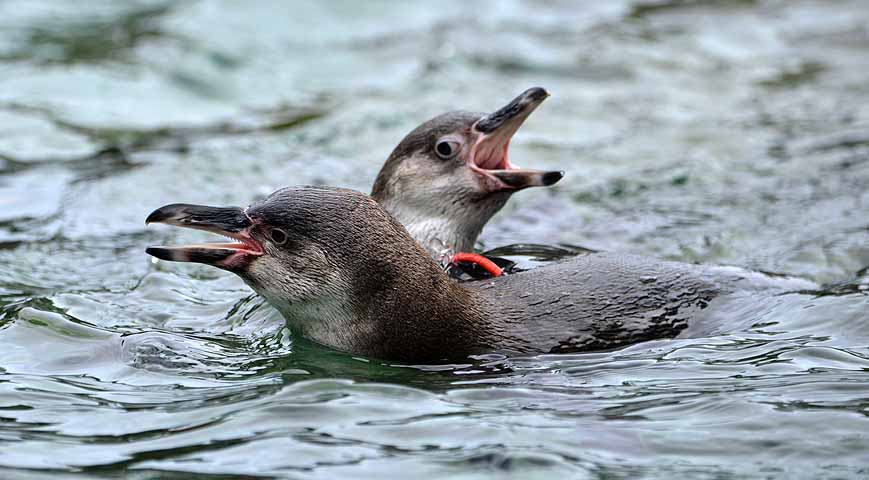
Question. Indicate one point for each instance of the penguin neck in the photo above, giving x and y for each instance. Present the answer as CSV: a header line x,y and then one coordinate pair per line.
x,y
451,226
425,315
417,311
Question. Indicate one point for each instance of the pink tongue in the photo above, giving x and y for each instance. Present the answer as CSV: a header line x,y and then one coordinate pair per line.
x,y
494,159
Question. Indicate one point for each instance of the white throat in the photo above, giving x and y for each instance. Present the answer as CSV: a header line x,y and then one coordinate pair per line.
x,y
438,232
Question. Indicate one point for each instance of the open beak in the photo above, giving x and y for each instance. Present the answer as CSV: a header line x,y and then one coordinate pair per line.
x,y
489,154
227,221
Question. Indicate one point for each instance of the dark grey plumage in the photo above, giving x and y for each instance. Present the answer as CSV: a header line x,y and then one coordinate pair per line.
x,y
346,274
595,302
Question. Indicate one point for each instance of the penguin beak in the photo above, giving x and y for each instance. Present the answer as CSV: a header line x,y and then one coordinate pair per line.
x,y
230,222
489,153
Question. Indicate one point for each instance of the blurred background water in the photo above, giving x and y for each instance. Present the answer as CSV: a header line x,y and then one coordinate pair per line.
x,y
732,132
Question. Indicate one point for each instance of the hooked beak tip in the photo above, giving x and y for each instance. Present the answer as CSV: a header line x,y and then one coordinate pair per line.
x,y
162,214
551,178
537,93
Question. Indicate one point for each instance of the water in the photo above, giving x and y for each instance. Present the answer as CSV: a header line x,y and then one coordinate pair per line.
x,y
729,132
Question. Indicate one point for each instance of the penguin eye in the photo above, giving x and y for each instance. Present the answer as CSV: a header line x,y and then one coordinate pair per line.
x,y
278,236
446,149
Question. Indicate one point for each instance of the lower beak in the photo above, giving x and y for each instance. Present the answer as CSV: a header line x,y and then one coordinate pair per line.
x,y
489,155
519,178
227,221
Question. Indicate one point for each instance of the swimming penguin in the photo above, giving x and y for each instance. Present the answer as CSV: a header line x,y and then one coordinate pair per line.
x,y
448,176
346,274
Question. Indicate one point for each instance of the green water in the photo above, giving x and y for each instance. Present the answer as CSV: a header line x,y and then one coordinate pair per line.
x,y
729,132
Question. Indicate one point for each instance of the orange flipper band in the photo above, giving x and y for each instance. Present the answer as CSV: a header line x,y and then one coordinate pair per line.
x,y
480,260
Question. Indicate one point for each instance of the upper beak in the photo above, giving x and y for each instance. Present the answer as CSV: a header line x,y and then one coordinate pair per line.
x,y
511,116
227,221
489,155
